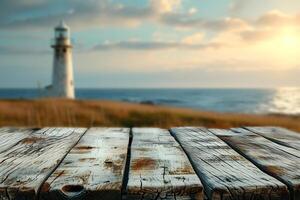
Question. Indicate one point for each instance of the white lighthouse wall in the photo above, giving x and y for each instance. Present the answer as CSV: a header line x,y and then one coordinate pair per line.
x,y
62,77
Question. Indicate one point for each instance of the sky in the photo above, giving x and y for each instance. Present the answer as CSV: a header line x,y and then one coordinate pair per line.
x,y
154,43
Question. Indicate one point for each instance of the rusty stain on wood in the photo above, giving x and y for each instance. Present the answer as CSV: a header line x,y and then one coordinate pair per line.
x,y
159,169
45,187
274,170
83,160
31,140
115,165
186,169
84,147
143,164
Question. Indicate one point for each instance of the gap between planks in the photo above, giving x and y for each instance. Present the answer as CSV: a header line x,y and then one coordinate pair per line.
x,y
278,135
127,164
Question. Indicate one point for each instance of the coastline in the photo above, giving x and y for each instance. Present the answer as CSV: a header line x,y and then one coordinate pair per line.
x,y
88,113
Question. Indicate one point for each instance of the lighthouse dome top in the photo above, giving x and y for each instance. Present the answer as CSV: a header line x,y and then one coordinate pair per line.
x,y
62,26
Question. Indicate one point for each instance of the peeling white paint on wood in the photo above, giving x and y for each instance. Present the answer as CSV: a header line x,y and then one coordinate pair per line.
x,y
93,169
277,160
159,169
279,135
26,164
225,174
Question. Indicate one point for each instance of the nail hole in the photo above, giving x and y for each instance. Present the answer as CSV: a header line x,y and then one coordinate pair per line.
x,y
72,190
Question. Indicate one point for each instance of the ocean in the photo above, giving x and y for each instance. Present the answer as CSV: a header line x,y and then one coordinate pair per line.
x,y
258,101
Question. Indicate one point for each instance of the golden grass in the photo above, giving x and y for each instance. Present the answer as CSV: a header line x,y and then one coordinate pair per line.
x,y
83,113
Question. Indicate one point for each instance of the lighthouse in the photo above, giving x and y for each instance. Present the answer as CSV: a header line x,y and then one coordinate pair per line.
x,y
62,75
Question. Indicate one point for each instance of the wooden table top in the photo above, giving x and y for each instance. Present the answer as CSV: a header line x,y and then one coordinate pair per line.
x,y
149,163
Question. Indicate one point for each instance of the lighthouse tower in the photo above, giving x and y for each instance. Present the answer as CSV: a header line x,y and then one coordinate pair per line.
x,y
62,77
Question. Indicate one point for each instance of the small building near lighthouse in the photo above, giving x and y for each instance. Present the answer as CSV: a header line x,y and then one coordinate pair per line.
x,y
62,75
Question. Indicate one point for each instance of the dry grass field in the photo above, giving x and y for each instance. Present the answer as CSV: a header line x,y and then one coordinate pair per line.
x,y
83,113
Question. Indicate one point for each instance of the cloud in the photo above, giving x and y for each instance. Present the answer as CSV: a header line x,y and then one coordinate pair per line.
x,y
89,13
276,18
256,35
188,21
251,9
94,13
5,50
153,45
237,5
164,6
193,11
80,14
77,13
270,25
194,39
181,20
226,24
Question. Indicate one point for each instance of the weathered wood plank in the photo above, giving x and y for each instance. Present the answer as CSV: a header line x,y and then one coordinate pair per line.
x,y
27,163
279,161
279,135
159,169
225,174
93,169
10,136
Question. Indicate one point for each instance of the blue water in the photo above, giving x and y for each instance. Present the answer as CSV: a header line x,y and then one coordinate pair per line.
x,y
283,100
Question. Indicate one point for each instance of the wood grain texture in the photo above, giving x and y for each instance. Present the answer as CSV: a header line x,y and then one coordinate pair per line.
x,y
27,163
93,169
10,136
279,135
225,174
159,169
277,160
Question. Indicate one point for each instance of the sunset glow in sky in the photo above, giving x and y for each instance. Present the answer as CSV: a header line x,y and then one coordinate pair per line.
x,y
155,43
